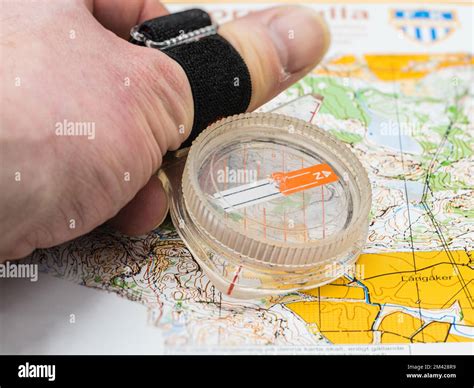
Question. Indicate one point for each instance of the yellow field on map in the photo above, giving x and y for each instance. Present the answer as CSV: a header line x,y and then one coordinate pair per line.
x,y
342,314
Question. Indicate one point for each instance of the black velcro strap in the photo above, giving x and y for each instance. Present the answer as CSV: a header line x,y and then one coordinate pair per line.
x,y
219,78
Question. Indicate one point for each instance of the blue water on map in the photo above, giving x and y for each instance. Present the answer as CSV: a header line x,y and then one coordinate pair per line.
x,y
414,188
387,133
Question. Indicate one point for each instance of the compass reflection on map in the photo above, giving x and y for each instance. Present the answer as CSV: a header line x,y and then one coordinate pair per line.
x,y
268,204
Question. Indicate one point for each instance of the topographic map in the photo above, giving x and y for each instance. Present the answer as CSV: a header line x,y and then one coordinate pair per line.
x,y
415,279
408,117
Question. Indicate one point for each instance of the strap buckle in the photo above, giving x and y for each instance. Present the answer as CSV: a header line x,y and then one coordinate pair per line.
x,y
185,37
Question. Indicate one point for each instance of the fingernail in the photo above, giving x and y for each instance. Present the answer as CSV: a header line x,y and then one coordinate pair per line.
x,y
301,37
165,214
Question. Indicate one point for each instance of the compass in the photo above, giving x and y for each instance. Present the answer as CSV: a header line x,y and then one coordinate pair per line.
x,y
268,204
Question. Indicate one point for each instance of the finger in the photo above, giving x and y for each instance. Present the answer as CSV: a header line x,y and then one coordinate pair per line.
x,y
119,16
145,212
149,206
279,45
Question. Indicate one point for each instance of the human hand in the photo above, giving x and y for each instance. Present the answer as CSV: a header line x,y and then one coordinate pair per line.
x,y
69,63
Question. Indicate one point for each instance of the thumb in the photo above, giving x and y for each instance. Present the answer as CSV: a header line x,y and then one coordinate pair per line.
x,y
279,45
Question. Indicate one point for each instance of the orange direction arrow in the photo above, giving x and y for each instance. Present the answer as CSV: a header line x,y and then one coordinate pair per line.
x,y
304,178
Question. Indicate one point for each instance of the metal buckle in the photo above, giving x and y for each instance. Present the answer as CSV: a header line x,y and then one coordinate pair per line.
x,y
177,40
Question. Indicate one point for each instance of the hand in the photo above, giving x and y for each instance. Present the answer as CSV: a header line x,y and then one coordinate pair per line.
x,y
67,64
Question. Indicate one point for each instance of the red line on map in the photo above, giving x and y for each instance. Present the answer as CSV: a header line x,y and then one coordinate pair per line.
x,y
264,223
324,215
234,280
304,210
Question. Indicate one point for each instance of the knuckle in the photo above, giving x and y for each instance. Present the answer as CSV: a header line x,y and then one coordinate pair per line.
x,y
167,94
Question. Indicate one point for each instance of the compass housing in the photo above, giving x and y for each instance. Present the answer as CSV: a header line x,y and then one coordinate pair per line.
x,y
278,241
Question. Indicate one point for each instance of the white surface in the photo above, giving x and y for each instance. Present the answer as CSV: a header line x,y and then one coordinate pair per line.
x,y
35,319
